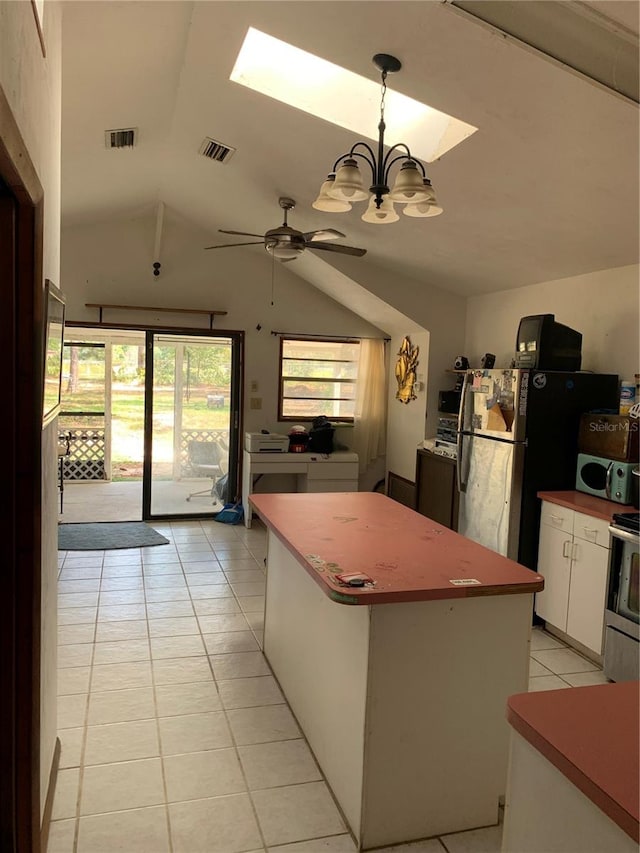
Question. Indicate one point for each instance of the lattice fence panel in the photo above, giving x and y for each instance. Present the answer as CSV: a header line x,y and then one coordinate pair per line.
x,y
86,454
187,435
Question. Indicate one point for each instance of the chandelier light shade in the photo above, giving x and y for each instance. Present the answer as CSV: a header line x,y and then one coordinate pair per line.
x,y
345,183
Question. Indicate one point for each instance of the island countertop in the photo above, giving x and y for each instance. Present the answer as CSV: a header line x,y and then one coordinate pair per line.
x,y
591,735
408,556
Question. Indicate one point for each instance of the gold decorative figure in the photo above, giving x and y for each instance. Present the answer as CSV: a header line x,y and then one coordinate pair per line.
x,y
406,371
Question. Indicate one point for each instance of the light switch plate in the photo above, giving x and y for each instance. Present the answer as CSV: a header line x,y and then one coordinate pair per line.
x,y
255,403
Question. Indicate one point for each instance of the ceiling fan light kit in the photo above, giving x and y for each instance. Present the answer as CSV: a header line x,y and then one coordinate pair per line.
x,y
345,183
286,243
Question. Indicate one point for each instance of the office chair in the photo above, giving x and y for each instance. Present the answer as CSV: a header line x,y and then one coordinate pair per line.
x,y
206,459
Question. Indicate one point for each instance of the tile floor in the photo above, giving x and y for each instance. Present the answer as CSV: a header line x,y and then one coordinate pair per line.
x,y
175,735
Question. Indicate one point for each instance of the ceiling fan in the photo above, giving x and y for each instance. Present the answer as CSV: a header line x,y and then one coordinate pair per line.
x,y
286,243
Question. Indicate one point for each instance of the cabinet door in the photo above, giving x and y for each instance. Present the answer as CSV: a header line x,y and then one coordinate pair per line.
x,y
587,592
552,603
436,489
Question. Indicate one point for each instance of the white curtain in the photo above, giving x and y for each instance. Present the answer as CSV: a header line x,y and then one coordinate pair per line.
x,y
369,433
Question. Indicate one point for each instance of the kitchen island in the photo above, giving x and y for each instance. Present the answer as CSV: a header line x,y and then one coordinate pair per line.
x,y
573,777
400,686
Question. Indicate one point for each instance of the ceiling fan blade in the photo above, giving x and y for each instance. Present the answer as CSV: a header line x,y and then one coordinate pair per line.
x,y
230,245
343,250
323,234
240,233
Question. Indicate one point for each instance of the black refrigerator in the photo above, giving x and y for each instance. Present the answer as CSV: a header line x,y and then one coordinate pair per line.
x,y
517,435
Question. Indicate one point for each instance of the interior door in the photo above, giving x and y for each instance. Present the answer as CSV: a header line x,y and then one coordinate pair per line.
x,y
191,423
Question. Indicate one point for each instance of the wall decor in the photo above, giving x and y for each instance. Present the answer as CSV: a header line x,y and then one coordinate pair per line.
x,y
406,371
54,306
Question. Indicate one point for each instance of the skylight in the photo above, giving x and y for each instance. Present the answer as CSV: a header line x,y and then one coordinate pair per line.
x,y
307,82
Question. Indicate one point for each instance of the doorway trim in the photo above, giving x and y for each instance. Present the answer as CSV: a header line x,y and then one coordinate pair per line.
x,y
21,329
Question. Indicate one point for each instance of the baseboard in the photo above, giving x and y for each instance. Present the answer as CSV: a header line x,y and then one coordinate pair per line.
x,y
48,804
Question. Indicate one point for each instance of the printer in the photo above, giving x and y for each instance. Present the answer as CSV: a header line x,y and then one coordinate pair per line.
x,y
266,442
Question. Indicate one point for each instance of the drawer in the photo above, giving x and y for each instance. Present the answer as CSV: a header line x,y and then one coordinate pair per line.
x,y
591,529
560,517
275,466
317,486
327,470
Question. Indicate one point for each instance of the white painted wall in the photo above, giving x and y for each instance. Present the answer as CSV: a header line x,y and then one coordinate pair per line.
x,y
111,262
406,421
603,306
32,85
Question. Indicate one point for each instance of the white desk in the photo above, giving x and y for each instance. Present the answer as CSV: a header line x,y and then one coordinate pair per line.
x,y
315,472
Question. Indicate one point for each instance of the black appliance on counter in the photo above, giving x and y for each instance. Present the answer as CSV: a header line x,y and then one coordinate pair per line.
x,y
517,435
622,616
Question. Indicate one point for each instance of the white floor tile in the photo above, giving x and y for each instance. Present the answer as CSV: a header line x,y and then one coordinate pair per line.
x,y
119,706
181,670
114,742
61,836
560,661
125,629
77,615
487,840
79,585
167,593
77,599
585,679
333,844
176,647
73,680
536,669
219,590
77,654
250,692
260,725
205,578
65,800
129,785
72,710
165,582
162,569
252,603
297,813
256,588
285,762
223,622
71,747
212,606
197,775
121,583
431,845
116,612
118,676
195,698
546,682
217,825
173,626
140,830
121,651
80,573
121,596
74,634
194,733
240,665
235,641
169,609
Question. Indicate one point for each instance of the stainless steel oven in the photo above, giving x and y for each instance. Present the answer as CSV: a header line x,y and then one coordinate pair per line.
x,y
622,616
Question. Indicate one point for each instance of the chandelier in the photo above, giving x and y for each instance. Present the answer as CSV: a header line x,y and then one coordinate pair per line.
x,y
412,187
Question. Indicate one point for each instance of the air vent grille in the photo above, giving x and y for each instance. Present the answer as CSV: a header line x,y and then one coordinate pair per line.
x,y
218,151
124,137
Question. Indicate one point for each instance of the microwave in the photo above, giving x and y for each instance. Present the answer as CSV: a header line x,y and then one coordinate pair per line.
x,y
604,478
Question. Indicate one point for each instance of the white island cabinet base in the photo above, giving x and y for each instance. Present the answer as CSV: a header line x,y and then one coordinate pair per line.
x,y
546,812
403,704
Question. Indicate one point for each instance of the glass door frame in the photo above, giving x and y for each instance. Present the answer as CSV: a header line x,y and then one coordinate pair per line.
x,y
237,342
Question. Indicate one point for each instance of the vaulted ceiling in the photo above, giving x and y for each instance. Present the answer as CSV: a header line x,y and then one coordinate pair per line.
x,y
547,187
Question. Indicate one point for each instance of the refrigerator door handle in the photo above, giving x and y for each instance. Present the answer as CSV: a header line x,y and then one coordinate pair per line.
x,y
463,401
462,487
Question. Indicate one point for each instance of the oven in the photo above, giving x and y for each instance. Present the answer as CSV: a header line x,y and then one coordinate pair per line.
x,y
622,616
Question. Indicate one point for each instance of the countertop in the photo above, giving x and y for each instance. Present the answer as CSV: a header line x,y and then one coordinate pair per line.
x,y
410,557
591,735
588,504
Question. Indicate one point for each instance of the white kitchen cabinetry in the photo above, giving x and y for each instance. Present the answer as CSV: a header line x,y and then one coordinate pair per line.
x,y
573,558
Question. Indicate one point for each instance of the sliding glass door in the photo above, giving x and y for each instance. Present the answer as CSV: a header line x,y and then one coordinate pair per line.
x,y
191,423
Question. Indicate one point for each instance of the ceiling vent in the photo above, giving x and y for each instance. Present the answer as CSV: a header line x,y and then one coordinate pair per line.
x,y
217,151
125,137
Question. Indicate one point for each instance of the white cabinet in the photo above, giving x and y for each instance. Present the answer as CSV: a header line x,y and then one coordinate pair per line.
x,y
573,558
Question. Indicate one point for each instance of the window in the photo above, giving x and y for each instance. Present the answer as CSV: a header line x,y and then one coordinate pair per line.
x,y
317,377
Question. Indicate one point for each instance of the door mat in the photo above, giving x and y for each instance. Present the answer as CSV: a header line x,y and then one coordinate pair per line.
x,y
107,536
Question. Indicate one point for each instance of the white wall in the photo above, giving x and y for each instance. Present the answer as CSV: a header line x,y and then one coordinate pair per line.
x,y
111,262
406,421
603,306
32,85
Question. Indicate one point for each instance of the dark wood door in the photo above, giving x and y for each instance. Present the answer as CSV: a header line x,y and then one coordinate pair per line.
x,y
436,489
